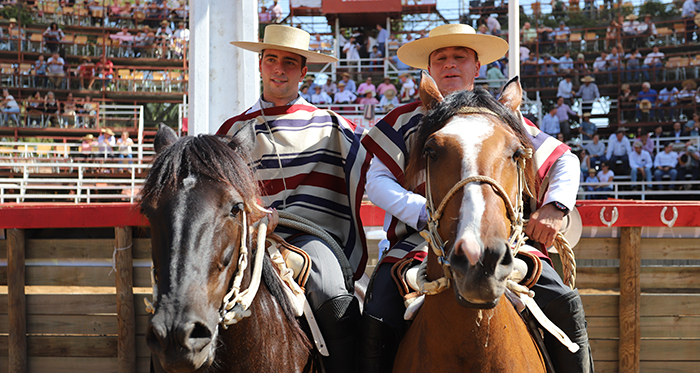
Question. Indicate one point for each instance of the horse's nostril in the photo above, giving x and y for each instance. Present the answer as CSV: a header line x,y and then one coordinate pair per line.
x,y
194,335
200,331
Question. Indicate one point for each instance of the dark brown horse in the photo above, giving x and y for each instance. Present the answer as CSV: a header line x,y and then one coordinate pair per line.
x,y
473,151
200,197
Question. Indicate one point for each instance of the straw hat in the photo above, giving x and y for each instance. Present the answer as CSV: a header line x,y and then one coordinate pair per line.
x,y
692,83
164,22
572,226
645,105
341,84
288,39
417,53
622,129
588,79
389,94
631,17
89,136
586,115
638,144
13,20
108,131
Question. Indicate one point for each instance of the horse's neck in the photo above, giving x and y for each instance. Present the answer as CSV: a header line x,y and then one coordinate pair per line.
x,y
265,341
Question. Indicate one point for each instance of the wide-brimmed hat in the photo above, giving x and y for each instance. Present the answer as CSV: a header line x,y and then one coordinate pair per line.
x,y
587,79
638,144
288,39
89,136
631,17
586,114
13,20
622,129
692,83
108,131
572,227
417,53
390,93
341,84
164,22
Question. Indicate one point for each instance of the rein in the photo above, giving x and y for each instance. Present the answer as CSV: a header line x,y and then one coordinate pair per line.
x,y
514,212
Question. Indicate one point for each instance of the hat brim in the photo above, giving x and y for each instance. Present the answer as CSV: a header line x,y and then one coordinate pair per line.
x,y
417,53
572,227
314,57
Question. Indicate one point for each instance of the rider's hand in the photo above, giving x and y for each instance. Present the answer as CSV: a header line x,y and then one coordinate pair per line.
x,y
273,219
544,224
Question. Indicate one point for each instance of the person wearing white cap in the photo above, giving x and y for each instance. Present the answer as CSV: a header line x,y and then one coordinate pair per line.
x,y
640,163
310,163
452,54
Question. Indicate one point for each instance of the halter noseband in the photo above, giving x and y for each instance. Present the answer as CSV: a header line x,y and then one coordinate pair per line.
x,y
432,236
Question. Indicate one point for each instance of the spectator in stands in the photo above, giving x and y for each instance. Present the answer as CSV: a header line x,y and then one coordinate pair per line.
x,y
55,70
52,37
493,25
369,98
70,110
329,87
653,60
15,34
276,12
686,97
40,72
566,64
564,113
591,179
143,41
106,143
640,164
562,33
126,41
86,71
389,100
349,84
377,55
618,152
495,78
587,129
547,64
398,63
688,12
585,162
529,70
52,108
408,88
352,54
125,143
304,92
382,38
319,97
366,86
180,40
264,15
647,142
550,123
677,132
633,65
566,89
545,33
614,65
580,68
528,34
612,33
10,108
596,150
646,101
588,93
629,29
626,103
667,102
104,70
647,28
88,112
34,106
344,96
605,176
692,127
310,82
87,147
665,164
600,65
689,163
384,86
163,35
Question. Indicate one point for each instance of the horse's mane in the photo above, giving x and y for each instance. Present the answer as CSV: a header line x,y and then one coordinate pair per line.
x,y
437,117
214,158
201,156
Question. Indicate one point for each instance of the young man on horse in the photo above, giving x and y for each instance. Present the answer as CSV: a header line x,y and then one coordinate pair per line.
x,y
453,54
310,163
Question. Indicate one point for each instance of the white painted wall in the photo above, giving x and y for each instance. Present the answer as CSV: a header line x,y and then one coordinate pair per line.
x,y
224,80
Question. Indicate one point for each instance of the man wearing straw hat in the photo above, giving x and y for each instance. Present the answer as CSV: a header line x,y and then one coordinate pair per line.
x,y
310,163
453,54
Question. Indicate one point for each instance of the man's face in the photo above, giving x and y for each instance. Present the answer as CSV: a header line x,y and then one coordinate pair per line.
x,y
596,138
655,49
281,74
527,25
638,149
453,69
614,50
668,148
560,100
620,135
676,127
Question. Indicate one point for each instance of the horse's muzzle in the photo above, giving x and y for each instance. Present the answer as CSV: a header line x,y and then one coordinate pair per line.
x,y
481,285
184,346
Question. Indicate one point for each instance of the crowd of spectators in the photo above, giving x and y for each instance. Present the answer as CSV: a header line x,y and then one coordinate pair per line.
x,y
106,146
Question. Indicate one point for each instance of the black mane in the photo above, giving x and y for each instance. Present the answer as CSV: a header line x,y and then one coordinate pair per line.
x,y
435,119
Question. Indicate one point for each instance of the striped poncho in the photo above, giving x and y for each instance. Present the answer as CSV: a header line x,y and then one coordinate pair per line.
x,y
323,169
390,141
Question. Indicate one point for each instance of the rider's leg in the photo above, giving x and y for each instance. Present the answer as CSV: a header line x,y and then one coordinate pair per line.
x,y
337,311
382,324
564,308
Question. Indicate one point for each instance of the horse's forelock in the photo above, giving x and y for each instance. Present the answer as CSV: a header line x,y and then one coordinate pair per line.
x,y
201,156
435,119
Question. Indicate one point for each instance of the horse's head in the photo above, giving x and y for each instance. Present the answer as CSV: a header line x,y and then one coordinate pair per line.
x,y
196,197
471,147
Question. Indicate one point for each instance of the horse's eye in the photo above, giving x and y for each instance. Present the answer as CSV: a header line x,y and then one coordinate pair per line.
x,y
236,209
429,153
518,153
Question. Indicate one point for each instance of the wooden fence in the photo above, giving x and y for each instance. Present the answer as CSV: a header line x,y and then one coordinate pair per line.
x,y
64,309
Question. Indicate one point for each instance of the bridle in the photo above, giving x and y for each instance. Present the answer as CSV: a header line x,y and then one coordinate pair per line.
x,y
514,212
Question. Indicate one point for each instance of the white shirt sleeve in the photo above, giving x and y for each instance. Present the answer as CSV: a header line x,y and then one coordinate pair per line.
x,y
385,191
564,177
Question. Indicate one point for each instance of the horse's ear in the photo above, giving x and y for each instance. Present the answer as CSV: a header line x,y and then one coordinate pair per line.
x,y
512,94
244,139
429,92
164,138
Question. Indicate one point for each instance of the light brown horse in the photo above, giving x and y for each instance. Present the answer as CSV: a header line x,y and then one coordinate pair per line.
x,y
470,138
200,197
